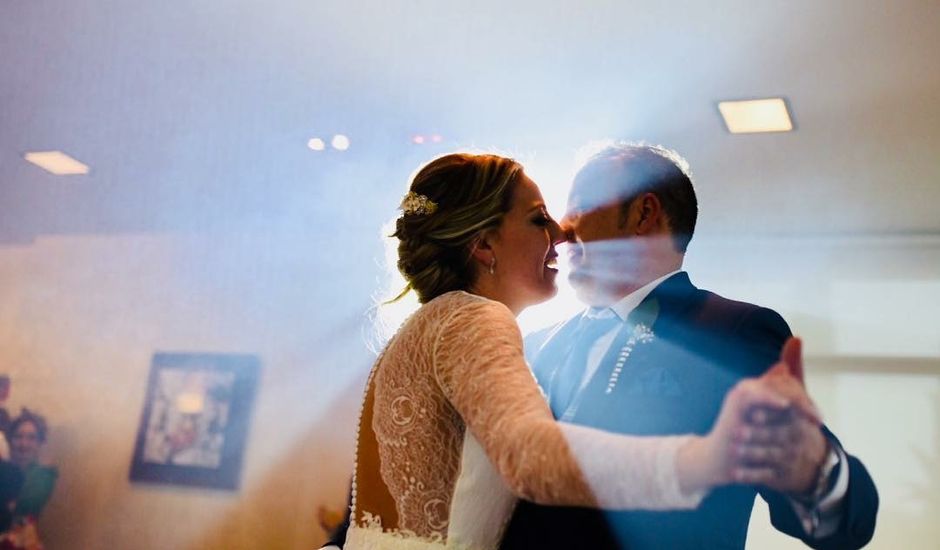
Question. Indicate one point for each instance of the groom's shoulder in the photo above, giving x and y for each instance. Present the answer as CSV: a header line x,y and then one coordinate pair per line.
x,y
718,304
718,311
696,308
534,341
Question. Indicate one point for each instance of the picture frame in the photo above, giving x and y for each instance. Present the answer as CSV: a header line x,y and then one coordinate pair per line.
x,y
195,419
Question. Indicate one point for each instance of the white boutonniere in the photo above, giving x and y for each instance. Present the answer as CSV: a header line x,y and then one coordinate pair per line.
x,y
642,334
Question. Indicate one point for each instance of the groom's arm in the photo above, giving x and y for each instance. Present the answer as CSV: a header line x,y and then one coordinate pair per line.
x,y
840,513
840,509
818,493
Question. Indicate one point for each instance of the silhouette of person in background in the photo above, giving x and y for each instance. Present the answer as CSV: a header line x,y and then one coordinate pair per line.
x,y
28,432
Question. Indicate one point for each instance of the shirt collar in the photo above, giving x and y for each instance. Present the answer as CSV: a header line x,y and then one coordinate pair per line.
x,y
628,303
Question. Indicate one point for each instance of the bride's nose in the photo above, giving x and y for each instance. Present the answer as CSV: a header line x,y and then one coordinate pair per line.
x,y
557,233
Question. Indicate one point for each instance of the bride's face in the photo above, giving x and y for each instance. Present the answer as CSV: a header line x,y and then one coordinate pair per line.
x,y
524,247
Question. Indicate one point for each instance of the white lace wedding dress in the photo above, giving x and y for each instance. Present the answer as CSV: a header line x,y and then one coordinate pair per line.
x,y
454,429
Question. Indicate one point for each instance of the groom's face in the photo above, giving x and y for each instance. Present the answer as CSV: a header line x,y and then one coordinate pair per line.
x,y
601,252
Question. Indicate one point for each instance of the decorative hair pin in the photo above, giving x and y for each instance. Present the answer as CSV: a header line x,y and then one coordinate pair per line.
x,y
413,203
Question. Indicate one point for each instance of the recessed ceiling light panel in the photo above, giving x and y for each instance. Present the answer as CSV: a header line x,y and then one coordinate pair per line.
x,y
56,162
756,115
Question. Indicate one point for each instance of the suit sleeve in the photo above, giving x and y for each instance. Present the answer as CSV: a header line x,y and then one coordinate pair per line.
x,y
858,514
765,332
761,335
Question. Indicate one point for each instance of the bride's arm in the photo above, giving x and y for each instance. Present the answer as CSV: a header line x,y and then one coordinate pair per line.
x,y
480,367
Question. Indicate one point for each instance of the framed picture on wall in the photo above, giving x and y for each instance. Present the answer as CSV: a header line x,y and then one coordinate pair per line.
x,y
195,419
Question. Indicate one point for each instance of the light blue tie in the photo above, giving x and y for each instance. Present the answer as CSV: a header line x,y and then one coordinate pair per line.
x,y
567,380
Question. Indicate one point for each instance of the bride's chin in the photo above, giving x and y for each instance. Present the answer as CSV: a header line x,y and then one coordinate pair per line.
x,y
550,292
543,296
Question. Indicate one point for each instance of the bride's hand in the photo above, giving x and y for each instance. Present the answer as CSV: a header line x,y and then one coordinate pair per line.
x,y
710,461
783,451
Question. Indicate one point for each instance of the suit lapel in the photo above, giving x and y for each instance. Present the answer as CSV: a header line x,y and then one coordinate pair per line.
x,y
546,361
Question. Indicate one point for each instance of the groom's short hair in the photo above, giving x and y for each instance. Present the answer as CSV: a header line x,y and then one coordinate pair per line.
x,y
624,171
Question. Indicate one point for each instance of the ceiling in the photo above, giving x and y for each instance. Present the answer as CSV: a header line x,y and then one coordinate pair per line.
x,y
194,116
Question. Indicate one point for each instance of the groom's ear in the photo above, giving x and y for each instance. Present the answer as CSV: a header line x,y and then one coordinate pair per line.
x,y
644,216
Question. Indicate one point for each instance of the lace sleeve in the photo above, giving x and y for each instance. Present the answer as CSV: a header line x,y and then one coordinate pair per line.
x,y
479,365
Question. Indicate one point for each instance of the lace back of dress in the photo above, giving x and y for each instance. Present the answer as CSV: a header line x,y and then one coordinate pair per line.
x,y
373,505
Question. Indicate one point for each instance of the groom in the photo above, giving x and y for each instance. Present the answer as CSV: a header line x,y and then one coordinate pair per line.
x,y
656,355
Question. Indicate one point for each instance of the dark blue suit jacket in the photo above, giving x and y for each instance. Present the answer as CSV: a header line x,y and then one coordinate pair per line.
x,y
675,384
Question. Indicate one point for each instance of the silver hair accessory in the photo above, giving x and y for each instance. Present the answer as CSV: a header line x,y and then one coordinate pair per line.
x,y
493,266
413,203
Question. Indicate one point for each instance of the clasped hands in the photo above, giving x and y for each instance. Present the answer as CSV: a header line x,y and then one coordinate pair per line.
x,y
767,433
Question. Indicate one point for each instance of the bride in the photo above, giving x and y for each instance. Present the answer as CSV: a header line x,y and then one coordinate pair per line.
x,y
453,428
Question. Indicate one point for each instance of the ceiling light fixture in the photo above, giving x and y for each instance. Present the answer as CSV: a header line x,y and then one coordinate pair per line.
x,y
756,115
340,142
56,162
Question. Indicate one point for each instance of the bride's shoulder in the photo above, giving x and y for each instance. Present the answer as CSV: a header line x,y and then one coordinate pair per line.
x,y
462,306
463,300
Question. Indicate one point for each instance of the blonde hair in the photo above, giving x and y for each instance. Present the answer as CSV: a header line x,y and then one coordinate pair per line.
x,y
472,193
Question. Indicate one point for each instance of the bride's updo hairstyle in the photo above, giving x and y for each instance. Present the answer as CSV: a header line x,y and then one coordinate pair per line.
x,y
467,194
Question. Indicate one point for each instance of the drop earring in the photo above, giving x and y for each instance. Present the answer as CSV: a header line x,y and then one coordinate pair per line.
x,y
493,266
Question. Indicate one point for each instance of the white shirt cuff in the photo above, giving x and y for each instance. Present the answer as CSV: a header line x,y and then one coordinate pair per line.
x,y
823,518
